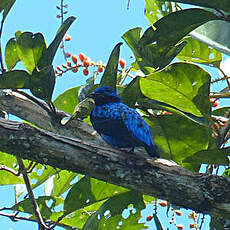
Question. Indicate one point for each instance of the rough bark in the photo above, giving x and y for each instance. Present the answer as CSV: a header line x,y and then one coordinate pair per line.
x,y
88,154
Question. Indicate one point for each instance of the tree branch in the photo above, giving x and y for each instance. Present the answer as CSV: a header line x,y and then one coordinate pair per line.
x,y
164,179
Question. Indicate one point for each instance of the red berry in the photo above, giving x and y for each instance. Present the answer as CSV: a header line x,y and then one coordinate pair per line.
x,y
82,57
69,63
61,46
67,37
86,72
149,218
192,225
74,58
163,203
59,68
58,16
212,100
178,212
100,69
215,104
68,54
87,62
180,226
122,63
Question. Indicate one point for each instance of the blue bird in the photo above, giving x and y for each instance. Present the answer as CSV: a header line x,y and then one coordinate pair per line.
x,y
119,125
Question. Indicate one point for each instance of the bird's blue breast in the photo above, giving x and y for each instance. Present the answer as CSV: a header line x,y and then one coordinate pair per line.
x,y
121,126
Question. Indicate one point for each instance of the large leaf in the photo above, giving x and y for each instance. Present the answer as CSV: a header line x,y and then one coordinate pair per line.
x,y
215,34
88,191
15,79
11,55
30,48
114,207
152,56
109,77
199,52
210,156
178,137
217,4
48,56
184,86
68,100
43,82
170,29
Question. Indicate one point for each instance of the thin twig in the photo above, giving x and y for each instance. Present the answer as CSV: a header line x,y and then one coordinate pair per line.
x,y
14,217
33,99
37,213
13,172
31,167
1,59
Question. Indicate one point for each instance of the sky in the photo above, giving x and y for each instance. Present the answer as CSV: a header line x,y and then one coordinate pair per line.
x,y
97,29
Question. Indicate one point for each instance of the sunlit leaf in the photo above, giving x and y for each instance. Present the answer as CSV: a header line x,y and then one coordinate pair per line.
x,y
184,86
7,178
88,191
11,55
199,52
114,208
68,100
178,137
154,9
30,47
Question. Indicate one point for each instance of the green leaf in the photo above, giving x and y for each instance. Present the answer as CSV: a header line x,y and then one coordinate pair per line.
x,y
86,88
221,111
11,55
30,48
145,104
170,29
152,56
178,137
109,77
43,82
68,100
217,4
62,182
7,178
88,191
199,52
210,156
210,32
46,209
15,79
114,208
48,56
184,86
131,92
154,9
41,174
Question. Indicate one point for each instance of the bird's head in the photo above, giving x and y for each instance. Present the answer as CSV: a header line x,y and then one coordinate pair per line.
x,y
103,95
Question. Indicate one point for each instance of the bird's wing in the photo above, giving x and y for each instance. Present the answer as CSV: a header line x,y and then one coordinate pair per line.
x,y
137,126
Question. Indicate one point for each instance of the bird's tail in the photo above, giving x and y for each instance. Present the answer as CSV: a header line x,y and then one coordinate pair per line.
x,y
153,151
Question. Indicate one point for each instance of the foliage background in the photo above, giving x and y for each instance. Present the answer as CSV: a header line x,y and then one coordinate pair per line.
x,y
99,26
